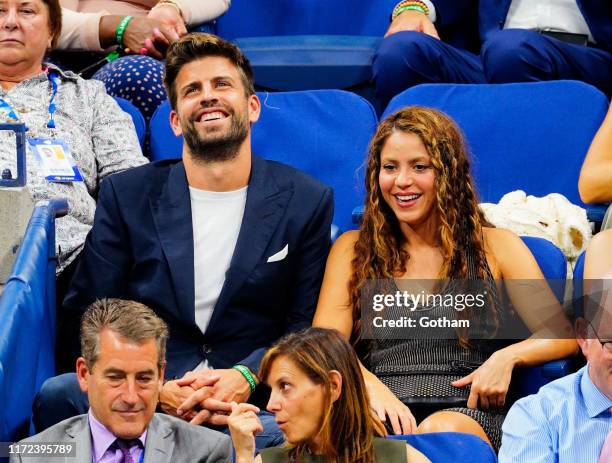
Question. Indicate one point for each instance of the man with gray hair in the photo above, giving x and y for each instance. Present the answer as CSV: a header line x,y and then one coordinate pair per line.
x,y
121,368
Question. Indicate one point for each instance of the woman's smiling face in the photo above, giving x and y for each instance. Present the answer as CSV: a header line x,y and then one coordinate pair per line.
x,y
407,179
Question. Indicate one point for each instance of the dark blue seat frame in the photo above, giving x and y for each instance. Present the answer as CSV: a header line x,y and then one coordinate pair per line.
x,y
27,321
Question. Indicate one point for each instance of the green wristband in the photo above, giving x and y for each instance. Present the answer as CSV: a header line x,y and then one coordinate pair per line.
x,y
121,30
247,375
409,7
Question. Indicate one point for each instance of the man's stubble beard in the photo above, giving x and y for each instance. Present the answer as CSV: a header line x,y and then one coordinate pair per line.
x,y
216,148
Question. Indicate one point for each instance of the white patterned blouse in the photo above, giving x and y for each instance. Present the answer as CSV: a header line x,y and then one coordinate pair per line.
x,y
100,136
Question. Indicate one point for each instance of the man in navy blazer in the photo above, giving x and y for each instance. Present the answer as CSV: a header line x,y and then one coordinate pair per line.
x,y
227,248
432,41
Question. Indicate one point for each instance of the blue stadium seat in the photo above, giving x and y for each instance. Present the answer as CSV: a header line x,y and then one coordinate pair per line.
x,y
137,117
322,132
444,447
528,136
553,264
27,322
307,44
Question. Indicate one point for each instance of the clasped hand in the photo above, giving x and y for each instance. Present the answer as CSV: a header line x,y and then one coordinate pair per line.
x,y
205,396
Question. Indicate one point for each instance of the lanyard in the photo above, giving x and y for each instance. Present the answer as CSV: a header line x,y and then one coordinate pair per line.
x,y
54,79
8,108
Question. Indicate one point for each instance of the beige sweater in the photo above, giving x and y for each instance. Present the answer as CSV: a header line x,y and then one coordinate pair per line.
x,y
81,19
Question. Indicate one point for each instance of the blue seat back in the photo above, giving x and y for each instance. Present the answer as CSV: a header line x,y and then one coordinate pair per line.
x,y
256,18
444,447
553,264
27,322
324,133
309,44
551,261
528,136
137,118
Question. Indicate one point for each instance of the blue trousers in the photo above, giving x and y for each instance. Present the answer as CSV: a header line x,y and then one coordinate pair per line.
x,y
61,398
511,55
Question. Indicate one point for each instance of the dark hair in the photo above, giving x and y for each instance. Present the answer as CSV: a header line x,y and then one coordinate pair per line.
x,y
55,20
348,426
200,45
133,321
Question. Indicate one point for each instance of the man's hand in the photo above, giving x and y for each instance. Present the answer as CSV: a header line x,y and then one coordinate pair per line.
x,y
168,15
215,401
411,20
173,395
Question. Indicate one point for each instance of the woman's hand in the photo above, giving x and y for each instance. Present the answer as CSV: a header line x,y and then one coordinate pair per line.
x,y
386,404
243,425
168,15
155,36
490,382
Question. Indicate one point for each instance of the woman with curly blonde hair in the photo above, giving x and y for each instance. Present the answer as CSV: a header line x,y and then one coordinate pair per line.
x,y
422,222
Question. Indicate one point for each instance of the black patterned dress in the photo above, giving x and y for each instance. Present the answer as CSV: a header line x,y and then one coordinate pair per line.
x,y
418,366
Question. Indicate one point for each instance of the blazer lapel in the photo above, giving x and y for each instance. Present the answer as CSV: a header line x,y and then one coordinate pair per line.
x,y
172,217
265,206
159,445
79,432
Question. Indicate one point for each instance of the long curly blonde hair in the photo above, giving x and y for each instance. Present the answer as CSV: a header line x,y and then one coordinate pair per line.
x,y
379,251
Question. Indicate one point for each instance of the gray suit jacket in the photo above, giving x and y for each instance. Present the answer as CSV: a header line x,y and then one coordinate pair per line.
x,y
169,440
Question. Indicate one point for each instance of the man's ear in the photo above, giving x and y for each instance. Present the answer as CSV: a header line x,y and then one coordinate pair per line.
x,y
175,123
335,381
254,108
582,327
82,372
162,372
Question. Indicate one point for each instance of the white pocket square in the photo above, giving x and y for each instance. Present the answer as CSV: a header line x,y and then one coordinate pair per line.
x,y
280,255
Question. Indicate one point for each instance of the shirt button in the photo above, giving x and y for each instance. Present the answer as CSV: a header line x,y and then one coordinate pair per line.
x,y
206,349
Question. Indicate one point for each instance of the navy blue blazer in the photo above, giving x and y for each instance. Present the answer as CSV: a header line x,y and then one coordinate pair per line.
x,y
492,16
141,248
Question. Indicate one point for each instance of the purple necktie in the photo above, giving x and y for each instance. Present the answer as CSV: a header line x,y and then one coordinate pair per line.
x,y
606,451
125,446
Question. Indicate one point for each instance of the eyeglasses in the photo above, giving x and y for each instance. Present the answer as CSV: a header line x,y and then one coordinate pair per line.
x,y
607,345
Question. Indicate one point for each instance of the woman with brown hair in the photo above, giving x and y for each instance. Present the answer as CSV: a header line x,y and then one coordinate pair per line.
x,y
422,222
320,402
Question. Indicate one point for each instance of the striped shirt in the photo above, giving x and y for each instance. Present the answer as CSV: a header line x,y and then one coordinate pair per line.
x,y
565,422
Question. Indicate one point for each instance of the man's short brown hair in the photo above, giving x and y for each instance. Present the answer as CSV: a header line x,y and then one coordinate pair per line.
x,y
133,321
199,45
